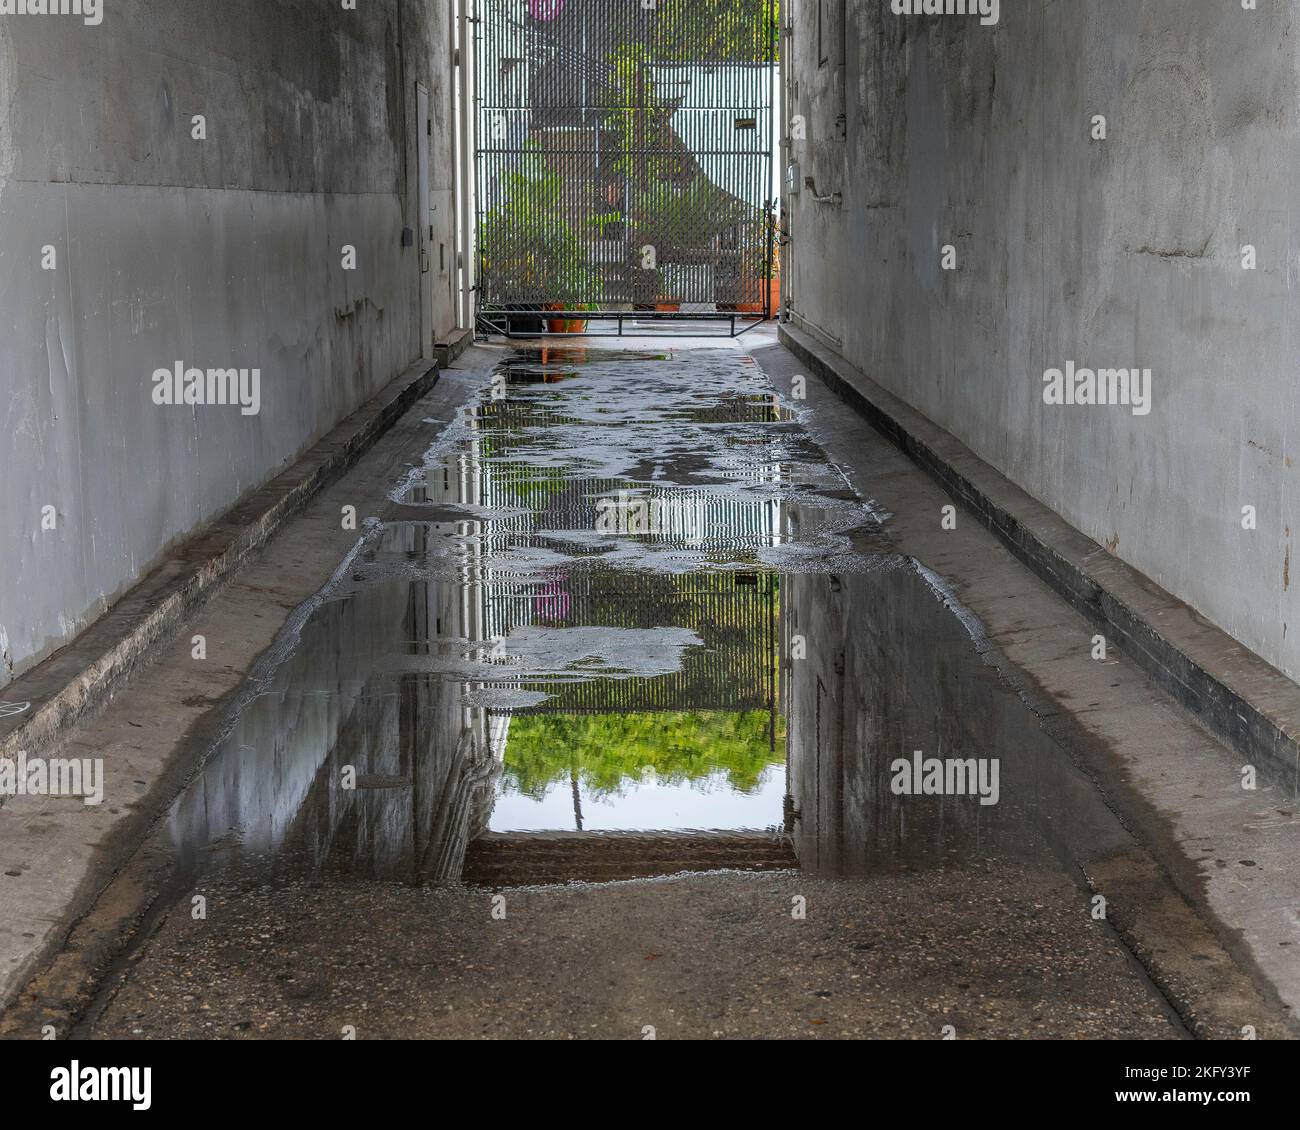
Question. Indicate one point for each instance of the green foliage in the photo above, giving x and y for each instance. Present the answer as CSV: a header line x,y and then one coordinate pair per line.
x,y
630,73
718,31
528,243
610,752
528,484
670,203
755,259
684,215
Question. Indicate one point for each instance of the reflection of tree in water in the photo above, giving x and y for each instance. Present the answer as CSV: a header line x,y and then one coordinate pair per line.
x,y
611,752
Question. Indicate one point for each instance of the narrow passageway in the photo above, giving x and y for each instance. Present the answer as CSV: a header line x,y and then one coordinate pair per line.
x,y
598,519
587,645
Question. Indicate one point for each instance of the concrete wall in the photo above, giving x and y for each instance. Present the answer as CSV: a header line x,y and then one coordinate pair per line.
x,y
222,252
1125,252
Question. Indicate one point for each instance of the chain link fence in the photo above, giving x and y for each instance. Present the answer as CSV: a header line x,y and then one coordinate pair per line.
x,y
624,156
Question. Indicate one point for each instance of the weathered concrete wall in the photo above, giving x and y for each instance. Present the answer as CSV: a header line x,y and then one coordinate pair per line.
x,y
224,252
1116,253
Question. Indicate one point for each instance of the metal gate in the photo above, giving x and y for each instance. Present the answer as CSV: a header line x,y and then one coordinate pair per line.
x,y
624,159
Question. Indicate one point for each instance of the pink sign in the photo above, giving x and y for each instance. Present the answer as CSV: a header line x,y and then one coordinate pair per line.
x,y
544,9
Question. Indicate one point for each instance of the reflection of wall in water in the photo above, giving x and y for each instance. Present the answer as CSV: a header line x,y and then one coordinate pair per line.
x,y
336,701
890,669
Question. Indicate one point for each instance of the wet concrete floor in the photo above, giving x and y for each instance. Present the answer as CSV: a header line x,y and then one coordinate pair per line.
x,y
627,718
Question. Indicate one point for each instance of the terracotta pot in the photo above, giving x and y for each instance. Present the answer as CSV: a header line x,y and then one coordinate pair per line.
x,y
772,294
564,325
771,291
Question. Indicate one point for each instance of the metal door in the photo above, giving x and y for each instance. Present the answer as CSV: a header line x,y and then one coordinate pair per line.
x,y
624,155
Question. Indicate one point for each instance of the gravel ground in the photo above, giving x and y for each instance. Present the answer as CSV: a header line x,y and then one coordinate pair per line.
x,y
993,952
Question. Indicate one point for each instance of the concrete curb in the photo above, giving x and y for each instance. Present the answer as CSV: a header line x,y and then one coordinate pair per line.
x,y
457,342
1243,699
83,677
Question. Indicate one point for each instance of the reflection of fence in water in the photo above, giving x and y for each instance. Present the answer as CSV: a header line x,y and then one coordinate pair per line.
x,y
518,414
715,520
562,500
734,614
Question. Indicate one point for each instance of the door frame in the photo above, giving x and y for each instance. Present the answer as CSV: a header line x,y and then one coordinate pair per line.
x,y
424,218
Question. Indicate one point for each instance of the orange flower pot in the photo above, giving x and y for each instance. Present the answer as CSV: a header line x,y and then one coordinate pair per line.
x,y
564,325
772,294
771,291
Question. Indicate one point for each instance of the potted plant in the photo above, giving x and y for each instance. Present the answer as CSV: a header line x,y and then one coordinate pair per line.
x,y
567,325
678,218
531,248
577,282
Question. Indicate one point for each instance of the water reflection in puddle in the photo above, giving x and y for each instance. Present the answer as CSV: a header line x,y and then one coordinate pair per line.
x,y
672,770
623,594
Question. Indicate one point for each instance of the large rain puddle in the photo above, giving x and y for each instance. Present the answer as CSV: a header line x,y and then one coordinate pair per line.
x,y
625,618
